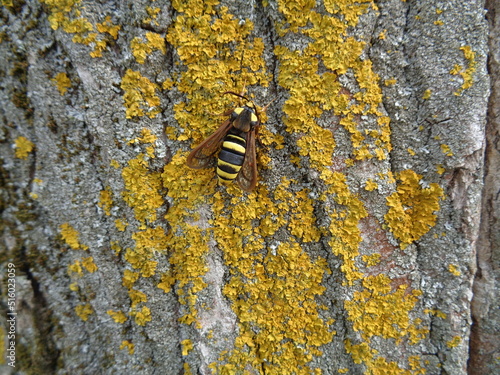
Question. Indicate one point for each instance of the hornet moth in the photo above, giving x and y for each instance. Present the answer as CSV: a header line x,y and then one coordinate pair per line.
x,y
235,139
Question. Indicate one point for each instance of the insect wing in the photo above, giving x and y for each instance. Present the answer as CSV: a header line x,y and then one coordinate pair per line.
x,y
247,178
202,156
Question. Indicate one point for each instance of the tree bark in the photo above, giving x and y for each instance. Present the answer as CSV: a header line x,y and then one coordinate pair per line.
x,y
369,246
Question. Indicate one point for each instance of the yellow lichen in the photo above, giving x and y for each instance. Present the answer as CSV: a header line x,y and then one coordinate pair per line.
x,y
412,207
445,149
147,243
454,342
440,169
71,236
436,312
141,49
67,15
454,270
390,82
108,27
89,265
83,311
466,74
167,280
153,14
140,95
136,297
62,82
118,316
129,278
380,311
128,345
75,268
120,224
187,346
106,200
371,260
142,189
23,147
141,317
371,185
272,288
115,247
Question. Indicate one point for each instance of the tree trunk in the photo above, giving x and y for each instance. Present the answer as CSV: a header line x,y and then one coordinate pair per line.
x,y
369,245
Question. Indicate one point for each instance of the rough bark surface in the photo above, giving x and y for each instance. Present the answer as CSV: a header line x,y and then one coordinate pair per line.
x,y
485,335
369,246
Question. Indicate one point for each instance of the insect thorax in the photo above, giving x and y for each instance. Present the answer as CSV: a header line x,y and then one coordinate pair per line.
x,y
244,118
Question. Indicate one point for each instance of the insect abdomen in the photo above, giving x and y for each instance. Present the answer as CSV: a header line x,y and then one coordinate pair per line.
x,y
231,157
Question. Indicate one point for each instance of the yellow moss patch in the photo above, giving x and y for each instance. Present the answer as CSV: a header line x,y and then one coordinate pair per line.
x,y
187,369
23,147
412,207
415,365
346,235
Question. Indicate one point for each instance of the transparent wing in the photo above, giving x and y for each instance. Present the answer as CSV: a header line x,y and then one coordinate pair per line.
x,y
247,178
202,156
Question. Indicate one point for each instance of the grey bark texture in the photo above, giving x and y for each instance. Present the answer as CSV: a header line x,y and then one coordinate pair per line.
x,y
67,285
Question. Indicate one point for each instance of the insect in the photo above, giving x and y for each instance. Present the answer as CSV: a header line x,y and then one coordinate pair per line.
x,y
235,139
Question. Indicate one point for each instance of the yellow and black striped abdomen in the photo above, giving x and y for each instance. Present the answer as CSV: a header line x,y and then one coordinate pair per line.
x,y
231,157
